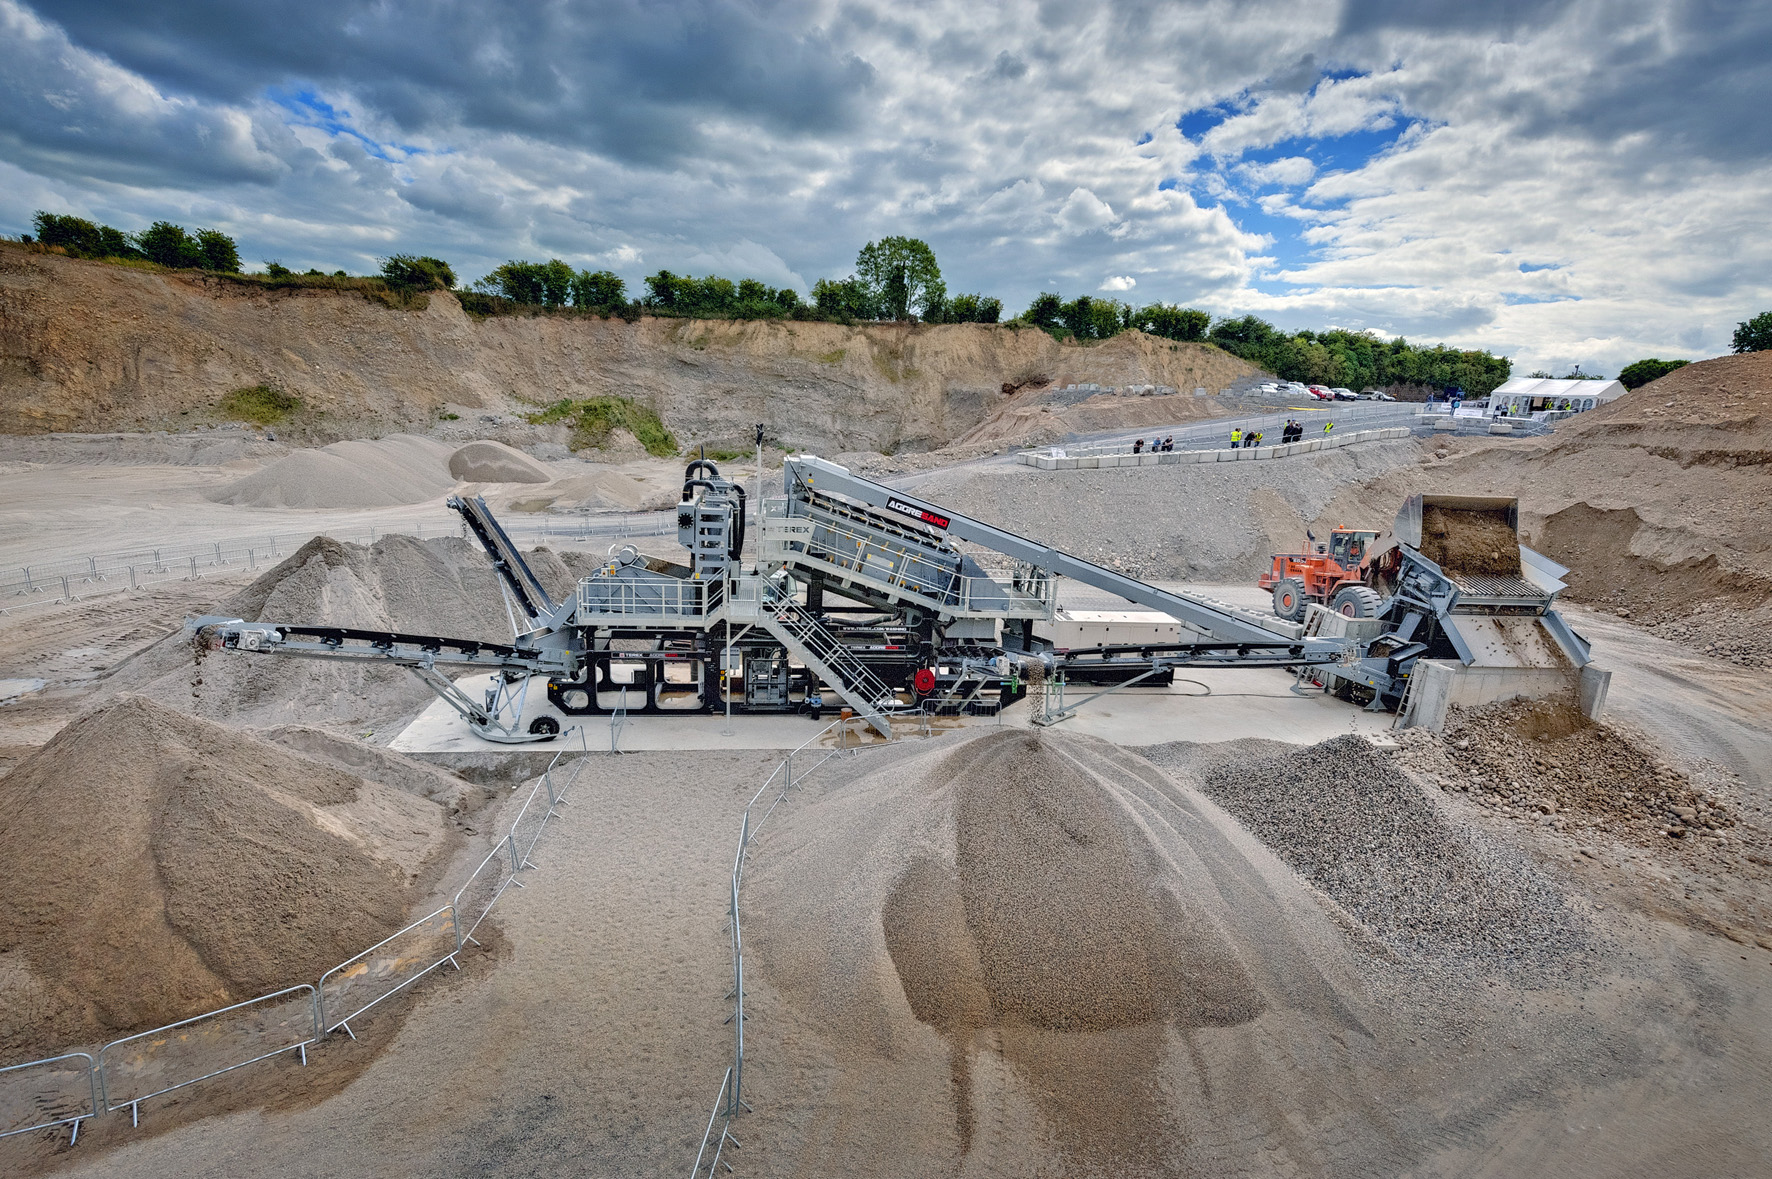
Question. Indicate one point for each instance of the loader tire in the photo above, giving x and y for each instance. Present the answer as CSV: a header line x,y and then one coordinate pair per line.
x,y
1355,601
1289,599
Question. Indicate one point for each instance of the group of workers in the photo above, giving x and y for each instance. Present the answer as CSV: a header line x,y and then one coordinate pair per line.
x,y
1293,431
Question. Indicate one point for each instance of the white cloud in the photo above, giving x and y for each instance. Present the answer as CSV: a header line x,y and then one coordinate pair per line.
x,y
1083,211
1118,282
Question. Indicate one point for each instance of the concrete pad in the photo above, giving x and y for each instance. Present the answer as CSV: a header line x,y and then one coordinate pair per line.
x,y
1243,703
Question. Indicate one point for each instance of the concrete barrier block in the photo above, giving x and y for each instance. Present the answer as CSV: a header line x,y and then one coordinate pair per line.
x,y
1046,463
1069,464
1089,463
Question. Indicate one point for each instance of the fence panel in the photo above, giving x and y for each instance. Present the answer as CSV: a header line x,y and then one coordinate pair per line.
x,y
483,888
354,986
526,829
49,1092
147,1064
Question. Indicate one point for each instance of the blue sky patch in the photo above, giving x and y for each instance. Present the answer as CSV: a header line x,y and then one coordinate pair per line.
x,y
308,109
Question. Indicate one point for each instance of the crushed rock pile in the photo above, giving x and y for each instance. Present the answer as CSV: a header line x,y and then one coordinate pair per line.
x,y
1358,828
486,461
439,586
400,469
1029,943
157,866
1542,762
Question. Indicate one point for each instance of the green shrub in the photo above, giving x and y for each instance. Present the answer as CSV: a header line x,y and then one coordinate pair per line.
x,y
594,419
260,405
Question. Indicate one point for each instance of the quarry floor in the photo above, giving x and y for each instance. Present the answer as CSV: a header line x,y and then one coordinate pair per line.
x,y
590,1041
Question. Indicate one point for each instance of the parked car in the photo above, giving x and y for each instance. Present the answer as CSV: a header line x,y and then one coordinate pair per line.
x,y
1321,394
1343,394
1381,395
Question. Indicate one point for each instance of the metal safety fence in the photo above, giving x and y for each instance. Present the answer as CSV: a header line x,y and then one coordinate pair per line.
x,y
729,1102
1215,433
74,579
70,1088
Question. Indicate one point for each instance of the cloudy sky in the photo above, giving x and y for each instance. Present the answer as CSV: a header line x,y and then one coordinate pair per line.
x,y
1563,182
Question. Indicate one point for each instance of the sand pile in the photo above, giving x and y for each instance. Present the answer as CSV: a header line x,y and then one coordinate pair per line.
x,y
157,866
1360,829
632,487
433,587
494,462
1028,945
400,469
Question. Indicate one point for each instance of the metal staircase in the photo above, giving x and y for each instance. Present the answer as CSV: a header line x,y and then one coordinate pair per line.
x,y
809,642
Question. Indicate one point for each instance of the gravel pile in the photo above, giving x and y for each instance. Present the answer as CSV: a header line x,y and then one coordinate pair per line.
x,y
1359,829
1541,762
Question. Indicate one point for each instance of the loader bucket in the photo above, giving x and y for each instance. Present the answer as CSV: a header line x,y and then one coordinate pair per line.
x,y
1478,534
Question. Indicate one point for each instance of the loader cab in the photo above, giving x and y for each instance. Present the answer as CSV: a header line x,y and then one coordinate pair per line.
x,y
1347,547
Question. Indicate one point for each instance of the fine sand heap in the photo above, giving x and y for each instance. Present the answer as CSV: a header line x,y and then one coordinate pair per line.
x,y
435,587
494,462
157,866
402,469
1087,965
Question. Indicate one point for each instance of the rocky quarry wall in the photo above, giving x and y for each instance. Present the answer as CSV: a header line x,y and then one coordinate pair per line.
x,y
89,346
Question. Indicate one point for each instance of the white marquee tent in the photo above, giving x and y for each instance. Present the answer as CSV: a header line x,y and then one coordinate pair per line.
x,y
1523,396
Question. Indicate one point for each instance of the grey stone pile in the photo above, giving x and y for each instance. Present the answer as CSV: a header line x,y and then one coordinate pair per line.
x,y
1359,829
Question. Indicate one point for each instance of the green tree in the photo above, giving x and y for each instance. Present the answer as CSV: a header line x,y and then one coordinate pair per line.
x,y
518,281
1641,372
556,282
218,250
598,288
82,238
1755,335
843,298
417,273
973,309
1172,322
1044,311
902,276
169,245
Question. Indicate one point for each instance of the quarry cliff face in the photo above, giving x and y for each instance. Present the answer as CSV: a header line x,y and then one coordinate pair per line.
x,y
88,346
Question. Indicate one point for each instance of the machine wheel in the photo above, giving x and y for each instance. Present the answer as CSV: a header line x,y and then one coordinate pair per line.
x,y
1289,599
545,726
1355,601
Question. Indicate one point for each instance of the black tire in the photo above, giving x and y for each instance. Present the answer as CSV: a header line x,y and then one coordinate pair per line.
x,y
544,726
1355,601
1289,599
